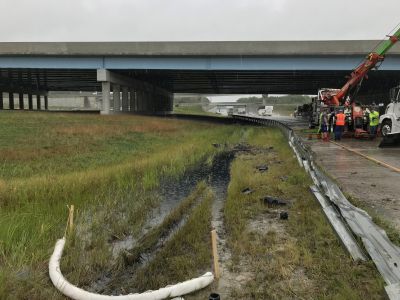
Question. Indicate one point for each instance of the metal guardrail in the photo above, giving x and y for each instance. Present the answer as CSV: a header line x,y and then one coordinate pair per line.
x,y
346,219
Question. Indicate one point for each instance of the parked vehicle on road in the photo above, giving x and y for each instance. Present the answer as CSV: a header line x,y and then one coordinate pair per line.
x,y
389,122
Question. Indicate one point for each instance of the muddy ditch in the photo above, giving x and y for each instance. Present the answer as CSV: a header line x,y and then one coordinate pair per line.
x,y
171,194
235,275
134,252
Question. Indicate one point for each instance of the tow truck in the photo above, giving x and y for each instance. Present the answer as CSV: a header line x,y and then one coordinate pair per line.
x,y
333,99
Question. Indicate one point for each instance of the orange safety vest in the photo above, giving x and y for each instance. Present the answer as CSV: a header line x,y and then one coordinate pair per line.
x,y
340,119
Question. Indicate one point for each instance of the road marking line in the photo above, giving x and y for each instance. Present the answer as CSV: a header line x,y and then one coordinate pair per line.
x,y
368,157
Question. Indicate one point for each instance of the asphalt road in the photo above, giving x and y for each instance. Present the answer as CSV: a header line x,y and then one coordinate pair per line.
x,y
374,185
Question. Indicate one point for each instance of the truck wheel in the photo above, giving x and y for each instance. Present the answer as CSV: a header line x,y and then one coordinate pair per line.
x,y
386,127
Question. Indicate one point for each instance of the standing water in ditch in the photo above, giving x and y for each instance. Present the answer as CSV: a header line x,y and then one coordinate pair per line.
x,y
171,193
216,175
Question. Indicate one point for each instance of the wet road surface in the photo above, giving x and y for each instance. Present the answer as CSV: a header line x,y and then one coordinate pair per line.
x,y
376,186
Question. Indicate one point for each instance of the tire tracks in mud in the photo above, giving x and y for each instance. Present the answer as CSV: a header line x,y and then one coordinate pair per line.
x,y
135,253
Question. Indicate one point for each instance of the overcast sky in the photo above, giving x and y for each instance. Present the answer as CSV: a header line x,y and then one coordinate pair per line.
x,y
175,20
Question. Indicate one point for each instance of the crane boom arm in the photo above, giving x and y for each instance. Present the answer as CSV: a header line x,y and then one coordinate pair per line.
x,y
361,71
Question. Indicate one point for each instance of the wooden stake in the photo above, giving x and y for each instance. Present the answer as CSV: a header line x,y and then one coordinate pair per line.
x,y
215,253
71,219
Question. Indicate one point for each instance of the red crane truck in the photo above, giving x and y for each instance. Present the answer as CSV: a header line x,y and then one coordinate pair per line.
x,y
344,97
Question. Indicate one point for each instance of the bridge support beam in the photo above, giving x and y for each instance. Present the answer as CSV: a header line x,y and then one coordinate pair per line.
x,y
21,92
117,98
131,100
125,99
11,100
38,103
21,101
46,102
30,101
105,92
137,95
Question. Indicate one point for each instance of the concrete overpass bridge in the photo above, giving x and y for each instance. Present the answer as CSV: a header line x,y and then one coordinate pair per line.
x,y
143,76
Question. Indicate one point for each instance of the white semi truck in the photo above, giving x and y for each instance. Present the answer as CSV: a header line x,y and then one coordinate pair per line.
x,y
265,110
390,121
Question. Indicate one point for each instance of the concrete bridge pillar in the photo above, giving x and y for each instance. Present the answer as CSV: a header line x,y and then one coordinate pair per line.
x,y
117,97
11,100
46,102
125,99
105,92
137,95
21,101
38,104
1,100
134,102
131,100
30,101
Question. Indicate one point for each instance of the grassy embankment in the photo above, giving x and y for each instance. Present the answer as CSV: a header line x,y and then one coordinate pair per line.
x,y
111,178
108,167
299,258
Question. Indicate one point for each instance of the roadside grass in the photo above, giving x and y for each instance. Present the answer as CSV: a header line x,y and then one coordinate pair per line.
x,y
297,258
113,184
33,205
34,144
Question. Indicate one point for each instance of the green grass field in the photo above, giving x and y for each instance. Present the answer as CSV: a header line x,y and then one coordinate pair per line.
x,y
110,167
99,164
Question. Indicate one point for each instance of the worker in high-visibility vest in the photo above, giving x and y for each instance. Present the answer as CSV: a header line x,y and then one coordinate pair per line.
x,y
373,122
323,125
340,121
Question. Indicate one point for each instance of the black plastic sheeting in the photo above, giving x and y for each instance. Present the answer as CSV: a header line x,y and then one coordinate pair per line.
x,y
347,220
